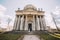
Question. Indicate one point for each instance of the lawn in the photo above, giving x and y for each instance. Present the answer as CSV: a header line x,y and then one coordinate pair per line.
x,y
9,36
55,35
47,36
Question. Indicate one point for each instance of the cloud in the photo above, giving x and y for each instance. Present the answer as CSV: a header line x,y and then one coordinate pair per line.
x,y
49,20
56,15
57,10
2,10
3,16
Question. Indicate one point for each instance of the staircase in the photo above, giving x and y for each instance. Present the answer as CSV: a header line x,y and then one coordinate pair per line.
x,y
26,32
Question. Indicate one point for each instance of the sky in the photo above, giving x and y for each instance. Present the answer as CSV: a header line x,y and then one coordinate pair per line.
x,y
8,8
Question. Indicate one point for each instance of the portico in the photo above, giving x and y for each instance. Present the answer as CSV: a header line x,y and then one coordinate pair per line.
x,y
29,19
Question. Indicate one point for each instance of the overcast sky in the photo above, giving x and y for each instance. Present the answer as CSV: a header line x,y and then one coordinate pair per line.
x,y
8,7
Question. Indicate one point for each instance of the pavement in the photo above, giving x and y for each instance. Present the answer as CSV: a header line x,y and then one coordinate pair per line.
x,y
31,37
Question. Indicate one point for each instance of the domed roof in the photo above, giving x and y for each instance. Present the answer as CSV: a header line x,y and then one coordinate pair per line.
x,y
29,6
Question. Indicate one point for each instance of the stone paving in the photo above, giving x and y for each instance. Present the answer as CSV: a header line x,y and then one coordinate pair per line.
x,y
31,37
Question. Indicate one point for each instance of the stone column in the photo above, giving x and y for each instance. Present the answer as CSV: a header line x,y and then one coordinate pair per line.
x,y
22,21
26,24
38,25
18,23
44,25
15,23
35,23
41,23
33,27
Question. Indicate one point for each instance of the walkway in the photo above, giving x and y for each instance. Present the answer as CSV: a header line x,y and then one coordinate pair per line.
x,y
31,37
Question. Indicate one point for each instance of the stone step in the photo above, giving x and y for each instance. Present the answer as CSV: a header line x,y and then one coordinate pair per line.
x,y
26,32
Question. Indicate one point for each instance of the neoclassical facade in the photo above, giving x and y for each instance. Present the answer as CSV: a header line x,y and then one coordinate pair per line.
x,y
29,19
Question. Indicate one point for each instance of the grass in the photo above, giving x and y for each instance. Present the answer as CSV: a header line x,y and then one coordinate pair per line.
x,y
55,35
9,36
46,36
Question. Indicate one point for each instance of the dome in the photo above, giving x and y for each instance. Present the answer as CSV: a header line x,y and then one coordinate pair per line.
x,y
29,6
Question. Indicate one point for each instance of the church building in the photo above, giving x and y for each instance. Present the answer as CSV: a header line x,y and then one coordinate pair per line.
x,y
29,19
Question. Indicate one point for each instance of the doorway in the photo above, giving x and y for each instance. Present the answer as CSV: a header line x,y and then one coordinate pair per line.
x,y
30,27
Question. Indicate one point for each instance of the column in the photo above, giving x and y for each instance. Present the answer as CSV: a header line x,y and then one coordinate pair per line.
x,y
18,23
15,23
44,25
41,23
26,24
35,23
38,25
22,21
33,27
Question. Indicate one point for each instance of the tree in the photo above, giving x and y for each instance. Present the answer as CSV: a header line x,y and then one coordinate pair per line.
x,y
8,22
55,22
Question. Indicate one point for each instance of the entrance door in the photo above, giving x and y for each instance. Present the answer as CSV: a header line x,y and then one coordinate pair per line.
x,y
30,27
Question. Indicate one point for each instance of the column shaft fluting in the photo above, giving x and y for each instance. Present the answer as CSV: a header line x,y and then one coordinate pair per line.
x,y
44,25
26,24
33,27
15,23
18,24
41,22
22,21
38,25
